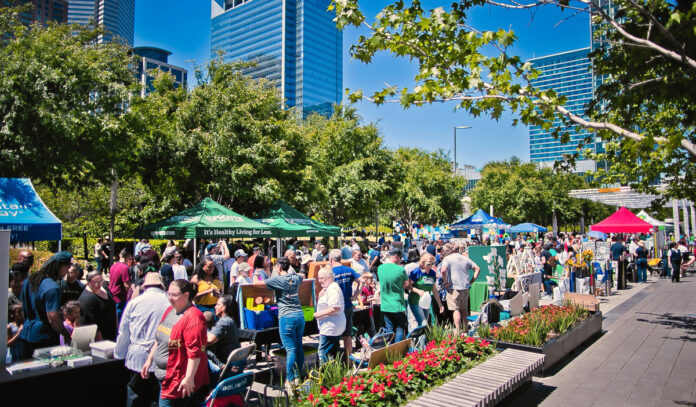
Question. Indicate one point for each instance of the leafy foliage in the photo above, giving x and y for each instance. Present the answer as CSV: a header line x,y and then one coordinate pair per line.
x,y
647,119
61,99
522,192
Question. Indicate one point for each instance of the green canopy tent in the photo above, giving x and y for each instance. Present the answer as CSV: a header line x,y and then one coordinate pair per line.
x,y
207,219
289,222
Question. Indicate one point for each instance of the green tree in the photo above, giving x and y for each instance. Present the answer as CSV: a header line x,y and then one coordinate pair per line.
x,y
62,97
424,190
652,55
227,139
522,192
348,168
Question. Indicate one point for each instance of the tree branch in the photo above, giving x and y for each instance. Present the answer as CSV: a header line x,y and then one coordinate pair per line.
x,y
645,82
655,47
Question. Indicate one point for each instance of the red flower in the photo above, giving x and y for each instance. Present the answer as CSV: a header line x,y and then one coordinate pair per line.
x,y
484,343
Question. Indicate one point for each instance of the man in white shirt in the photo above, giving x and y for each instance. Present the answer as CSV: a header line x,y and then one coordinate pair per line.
x,y
358,262
240,257
456,270
136,335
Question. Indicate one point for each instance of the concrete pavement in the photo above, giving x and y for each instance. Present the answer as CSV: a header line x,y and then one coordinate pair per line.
x,y
646,356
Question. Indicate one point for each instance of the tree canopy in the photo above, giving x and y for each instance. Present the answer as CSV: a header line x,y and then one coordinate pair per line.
x,y
650,66
61,99
522,192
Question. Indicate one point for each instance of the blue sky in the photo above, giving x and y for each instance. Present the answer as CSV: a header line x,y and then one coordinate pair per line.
x,y
184,29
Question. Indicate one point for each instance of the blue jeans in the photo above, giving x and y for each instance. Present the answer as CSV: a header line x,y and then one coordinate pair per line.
x,y
120,307
548,286
396,322
328,347
291,329
642,267
420,314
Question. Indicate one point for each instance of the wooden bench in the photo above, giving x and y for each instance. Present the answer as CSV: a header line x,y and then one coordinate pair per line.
x,y
486,384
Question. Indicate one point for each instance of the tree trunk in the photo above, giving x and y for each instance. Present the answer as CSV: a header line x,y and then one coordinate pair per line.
x,y
114,197
84,244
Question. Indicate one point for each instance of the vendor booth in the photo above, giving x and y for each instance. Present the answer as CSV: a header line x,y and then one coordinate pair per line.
x,y
207,219
289,222
23,213
527,228
479,220
622,221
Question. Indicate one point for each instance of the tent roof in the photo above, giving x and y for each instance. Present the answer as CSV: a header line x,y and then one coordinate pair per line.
x,y
479,220
289,222
23,212
623,221
205,219
527,228
644,215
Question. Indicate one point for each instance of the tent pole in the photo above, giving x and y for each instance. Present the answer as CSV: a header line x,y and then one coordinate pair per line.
x,y
195,252
4,284
60,242
277,247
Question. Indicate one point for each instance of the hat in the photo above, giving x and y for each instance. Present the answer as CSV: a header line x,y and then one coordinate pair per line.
x,y
395,251
152,279
243,267
240,253
62,258
306,258
209,247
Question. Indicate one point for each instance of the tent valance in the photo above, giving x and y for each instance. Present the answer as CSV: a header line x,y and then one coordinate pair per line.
x,y
623,221
207,219
289,222
480,220
527,228
23,212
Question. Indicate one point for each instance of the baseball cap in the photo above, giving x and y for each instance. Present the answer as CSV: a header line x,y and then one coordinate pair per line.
x,y
240,253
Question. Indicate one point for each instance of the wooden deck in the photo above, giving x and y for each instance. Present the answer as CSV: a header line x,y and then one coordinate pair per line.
x,y
485,384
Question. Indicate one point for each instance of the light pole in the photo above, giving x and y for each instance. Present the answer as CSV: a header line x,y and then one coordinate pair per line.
x,y
454,170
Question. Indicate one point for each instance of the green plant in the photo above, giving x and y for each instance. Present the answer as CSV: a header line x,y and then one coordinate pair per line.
x,y
534,328
438,332
395,383
484,331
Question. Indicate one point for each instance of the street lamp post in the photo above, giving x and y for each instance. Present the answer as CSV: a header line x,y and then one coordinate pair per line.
x,y
454,170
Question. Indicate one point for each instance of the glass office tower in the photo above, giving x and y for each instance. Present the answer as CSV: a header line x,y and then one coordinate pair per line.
x,y
294,43
116,16
569,74
80,11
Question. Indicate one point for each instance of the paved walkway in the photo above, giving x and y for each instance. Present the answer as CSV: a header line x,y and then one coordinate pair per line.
x,y
646,357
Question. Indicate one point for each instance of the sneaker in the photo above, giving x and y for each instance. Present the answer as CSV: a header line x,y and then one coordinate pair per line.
x,y
289,388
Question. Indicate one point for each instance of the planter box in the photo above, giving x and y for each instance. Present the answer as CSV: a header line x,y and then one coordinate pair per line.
x,y
559,347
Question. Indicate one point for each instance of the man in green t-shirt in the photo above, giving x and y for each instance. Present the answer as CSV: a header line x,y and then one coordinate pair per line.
x,y
392,281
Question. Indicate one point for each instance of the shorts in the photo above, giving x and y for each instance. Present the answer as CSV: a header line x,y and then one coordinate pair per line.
x,y
458,300
348,312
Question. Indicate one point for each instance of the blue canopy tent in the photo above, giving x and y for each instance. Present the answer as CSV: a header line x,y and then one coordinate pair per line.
x,y
480,220
527,228
24,214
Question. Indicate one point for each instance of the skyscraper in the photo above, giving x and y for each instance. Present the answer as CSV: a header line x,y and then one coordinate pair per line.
x,y
569,74
80,11
116,16
46,11
294,43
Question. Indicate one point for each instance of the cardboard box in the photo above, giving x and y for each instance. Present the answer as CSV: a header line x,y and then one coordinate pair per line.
x,y
586,301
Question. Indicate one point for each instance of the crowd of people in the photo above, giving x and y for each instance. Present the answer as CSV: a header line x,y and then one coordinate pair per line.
x,y
174,324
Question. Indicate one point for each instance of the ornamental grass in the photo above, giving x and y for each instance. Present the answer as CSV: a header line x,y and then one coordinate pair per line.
x,y
536,327
396,383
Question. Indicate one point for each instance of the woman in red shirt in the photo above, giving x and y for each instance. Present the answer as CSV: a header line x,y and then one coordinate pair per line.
x,y
186,381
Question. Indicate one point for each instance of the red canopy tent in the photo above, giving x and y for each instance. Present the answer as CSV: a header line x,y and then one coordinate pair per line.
x,y
623,221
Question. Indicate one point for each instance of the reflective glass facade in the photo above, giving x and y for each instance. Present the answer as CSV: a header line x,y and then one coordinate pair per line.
x,y
294,43
569,74
117,16
80,11
45,11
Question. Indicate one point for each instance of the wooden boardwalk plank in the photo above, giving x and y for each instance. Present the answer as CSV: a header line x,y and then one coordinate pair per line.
x,y
485,384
